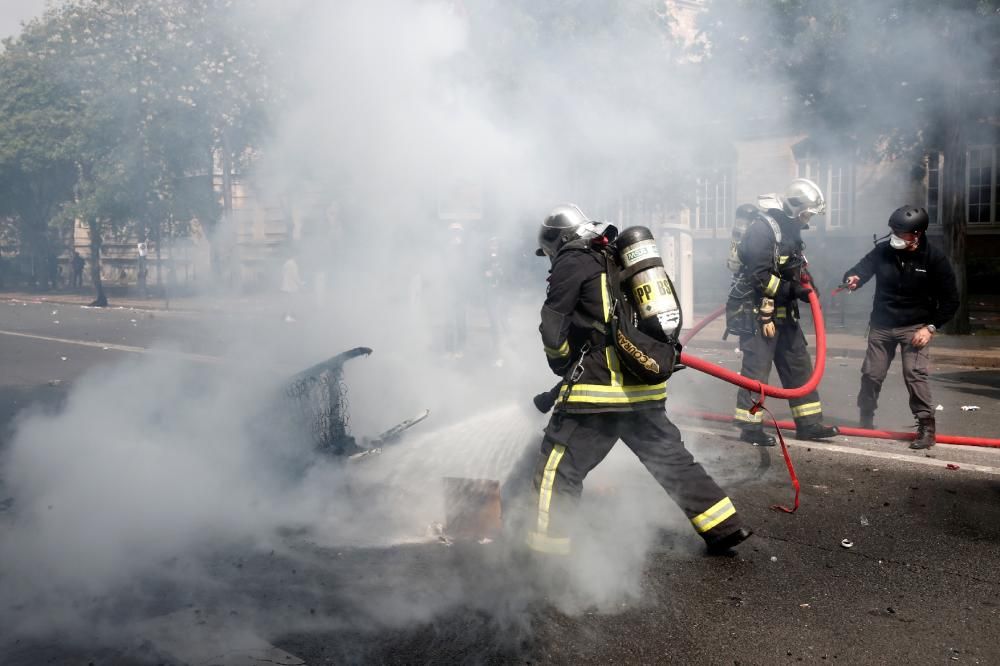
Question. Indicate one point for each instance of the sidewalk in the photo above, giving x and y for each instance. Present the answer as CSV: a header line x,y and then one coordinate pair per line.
x,y
978,351
260,304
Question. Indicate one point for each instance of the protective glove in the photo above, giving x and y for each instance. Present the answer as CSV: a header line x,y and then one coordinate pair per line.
x,y
801,292
767,317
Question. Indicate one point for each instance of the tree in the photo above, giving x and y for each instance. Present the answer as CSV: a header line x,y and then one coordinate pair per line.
x,y
877,75
115,107
38,117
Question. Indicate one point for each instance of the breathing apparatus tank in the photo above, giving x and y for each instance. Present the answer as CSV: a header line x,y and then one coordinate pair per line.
x,y
648,284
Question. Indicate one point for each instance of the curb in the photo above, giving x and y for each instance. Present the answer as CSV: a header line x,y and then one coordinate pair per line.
x,y
112,305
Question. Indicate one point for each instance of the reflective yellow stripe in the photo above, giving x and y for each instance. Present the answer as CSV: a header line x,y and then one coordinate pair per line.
x,y
562,352
807,409
772,286
610,357
719,512
782,259
545,492
602,394
746,416
546,544
780,312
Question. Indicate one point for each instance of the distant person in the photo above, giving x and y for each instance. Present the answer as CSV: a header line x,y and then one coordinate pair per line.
x,y
143,251
291,285
915,294
456,323
493,301
77,264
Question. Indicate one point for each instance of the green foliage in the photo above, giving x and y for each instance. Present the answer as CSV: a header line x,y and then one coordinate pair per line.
x,y
111,111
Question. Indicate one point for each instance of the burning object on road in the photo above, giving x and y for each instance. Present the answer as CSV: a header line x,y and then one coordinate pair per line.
x,y
316,399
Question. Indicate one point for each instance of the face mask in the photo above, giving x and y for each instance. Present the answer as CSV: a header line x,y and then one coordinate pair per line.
x,y
898,243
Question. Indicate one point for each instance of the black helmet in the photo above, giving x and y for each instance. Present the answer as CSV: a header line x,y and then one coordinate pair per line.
x,y
908,220
561,225
747,212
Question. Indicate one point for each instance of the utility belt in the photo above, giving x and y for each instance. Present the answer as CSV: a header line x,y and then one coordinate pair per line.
x,y
743,316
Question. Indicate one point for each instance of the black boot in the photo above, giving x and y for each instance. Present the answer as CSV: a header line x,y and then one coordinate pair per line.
x,y
756,436
925,434
724,544
867,420
815,431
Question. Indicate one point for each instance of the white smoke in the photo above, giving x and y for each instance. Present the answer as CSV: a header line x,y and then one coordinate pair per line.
x,y
388,103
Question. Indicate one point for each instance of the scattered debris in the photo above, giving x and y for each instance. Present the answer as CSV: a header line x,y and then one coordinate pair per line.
x,y
55,312
436,531
952,466
55,382
864,521
62,358
939,408
55,321
774,558
970,408
803,605
484,541
847,543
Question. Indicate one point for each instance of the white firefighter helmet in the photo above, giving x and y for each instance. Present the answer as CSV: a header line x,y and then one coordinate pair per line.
x,y
804,196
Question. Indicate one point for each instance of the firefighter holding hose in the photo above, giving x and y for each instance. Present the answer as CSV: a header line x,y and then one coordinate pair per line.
x,y
770,277
600,399
915,294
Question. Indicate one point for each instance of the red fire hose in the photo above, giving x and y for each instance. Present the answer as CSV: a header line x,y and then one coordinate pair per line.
x,y
862,432
755,385
766,389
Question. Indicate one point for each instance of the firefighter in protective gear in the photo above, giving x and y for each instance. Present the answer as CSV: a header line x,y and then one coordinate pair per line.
x,y
915,294
600,402
763,311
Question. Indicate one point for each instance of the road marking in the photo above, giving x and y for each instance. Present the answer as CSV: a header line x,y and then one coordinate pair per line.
x,y
201,358
883,455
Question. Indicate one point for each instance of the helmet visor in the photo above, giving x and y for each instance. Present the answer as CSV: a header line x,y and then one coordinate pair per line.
x,y
548,241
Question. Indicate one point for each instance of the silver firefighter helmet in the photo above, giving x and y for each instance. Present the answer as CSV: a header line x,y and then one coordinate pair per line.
x,y
563,224
804,197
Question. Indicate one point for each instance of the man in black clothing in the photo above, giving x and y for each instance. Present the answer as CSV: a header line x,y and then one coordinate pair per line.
x,y
600,401
77,264
770,278
915,294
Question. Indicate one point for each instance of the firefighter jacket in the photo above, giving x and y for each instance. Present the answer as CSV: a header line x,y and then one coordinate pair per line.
x,y
911,287
771,265
575,326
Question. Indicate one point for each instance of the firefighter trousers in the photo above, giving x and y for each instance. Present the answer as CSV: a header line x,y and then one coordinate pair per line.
x,y
788,353
575,443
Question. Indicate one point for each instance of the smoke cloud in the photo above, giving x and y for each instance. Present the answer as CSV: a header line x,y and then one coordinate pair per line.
x,y
154,468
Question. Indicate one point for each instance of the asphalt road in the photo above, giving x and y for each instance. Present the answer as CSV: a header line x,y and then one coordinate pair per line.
x,y
919,584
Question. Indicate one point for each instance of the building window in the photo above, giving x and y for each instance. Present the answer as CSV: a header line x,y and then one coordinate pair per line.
x,y
981,189
934,187
835,180
714,200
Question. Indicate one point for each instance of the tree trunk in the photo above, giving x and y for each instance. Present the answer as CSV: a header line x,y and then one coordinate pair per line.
x,y
95,263
954,216
227,210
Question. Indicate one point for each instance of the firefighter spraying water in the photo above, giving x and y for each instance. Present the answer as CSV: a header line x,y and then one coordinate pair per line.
x,y
614,355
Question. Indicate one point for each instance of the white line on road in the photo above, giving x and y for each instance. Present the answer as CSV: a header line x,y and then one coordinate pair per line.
x,y
884,455
201,358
